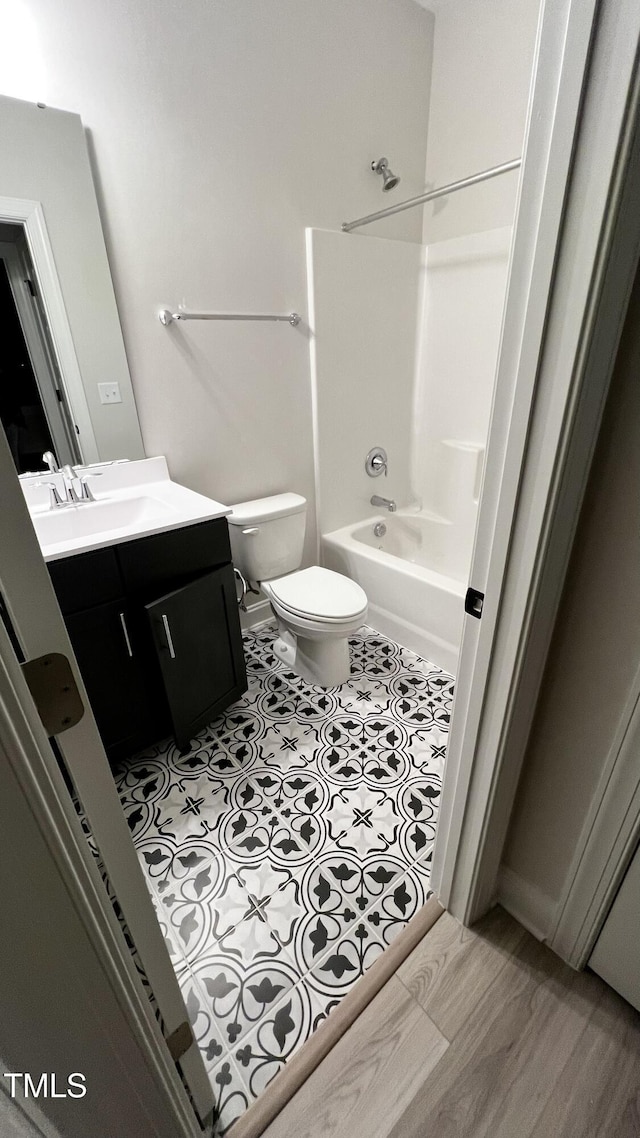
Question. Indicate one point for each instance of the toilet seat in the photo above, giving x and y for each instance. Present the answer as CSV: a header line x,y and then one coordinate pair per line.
x,y
318,595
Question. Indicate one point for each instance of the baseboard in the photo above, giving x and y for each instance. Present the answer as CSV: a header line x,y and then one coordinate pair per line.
x,y
289,1080
533,908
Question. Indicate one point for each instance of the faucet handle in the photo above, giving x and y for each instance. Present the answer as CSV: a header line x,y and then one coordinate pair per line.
x,y
86,493
55,501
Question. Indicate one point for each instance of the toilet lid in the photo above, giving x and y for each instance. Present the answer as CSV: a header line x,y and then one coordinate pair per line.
x,y
321,593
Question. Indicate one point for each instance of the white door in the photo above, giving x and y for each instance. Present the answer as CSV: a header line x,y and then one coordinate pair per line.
x,y
574,253
70,1018
616,956
30,601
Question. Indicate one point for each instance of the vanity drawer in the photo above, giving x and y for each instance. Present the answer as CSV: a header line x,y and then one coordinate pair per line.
x,y
86,579
165,557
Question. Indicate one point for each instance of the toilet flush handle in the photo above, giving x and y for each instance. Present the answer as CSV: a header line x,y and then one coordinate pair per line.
x,y
251,530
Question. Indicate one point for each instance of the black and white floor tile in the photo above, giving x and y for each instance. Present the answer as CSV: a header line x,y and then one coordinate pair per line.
x,y
289,847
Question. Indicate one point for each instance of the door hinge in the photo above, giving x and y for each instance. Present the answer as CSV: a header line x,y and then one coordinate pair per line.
x,y
473,602
180,1040
54,691
32,288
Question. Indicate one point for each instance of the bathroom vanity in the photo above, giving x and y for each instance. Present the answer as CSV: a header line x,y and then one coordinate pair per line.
x,y
152,616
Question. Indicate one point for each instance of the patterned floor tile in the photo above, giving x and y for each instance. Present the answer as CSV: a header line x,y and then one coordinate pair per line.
x,y
231,1095
287,745
176,806
277,1037
418,803
208,1032
237,997
373,749
298,790
363,819
217,906
366,695
211,757
178,959
288,846
290,843
318,907
354,952
263,877
162,860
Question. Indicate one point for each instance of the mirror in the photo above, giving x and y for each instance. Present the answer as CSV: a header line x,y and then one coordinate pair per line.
x,y
64,380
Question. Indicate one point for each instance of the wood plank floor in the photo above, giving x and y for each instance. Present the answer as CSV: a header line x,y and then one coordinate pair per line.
x,y
481,1033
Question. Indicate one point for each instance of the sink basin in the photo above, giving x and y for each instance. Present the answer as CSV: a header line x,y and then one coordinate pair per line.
x,y
72,522
134,499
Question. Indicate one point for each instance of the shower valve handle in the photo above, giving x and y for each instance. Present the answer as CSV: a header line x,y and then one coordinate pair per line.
x,y
375,463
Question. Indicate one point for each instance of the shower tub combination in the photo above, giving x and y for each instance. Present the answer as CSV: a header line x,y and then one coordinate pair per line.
x,y
409,565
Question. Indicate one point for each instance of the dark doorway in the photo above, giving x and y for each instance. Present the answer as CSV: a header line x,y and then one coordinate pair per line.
x,y
21,411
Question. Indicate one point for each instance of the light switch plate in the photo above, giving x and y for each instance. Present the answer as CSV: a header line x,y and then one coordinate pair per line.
x,y
109,393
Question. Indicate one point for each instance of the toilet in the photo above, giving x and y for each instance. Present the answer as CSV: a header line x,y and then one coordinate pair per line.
x,y
316,609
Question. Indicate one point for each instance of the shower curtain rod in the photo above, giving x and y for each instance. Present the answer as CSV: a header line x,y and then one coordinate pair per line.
x,y
473,180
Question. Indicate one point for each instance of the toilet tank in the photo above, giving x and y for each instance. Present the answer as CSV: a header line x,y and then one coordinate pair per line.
x,y
267,535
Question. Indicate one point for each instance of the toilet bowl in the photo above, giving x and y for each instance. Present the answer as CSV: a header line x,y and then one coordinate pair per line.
x,y
316,609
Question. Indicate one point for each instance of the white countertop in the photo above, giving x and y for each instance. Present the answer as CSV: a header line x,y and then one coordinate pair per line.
x,y
133,499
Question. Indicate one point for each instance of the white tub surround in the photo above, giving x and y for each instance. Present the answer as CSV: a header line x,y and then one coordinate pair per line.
x,y
132,499
412,578
465,281
403,354
364,303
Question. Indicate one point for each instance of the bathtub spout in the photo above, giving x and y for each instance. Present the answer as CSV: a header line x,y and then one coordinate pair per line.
x,y
385,503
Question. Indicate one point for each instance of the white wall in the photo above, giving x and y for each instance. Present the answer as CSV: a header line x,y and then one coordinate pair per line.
x,y
482,66
219,132
365,294
593,657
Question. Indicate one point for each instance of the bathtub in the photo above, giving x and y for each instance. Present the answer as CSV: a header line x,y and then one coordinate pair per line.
x,y
413,576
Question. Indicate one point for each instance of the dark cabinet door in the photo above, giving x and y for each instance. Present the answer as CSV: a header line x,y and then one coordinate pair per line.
x,y
115,670
197,636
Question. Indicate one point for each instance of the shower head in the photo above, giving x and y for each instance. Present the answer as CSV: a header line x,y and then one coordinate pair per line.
x,y
389,179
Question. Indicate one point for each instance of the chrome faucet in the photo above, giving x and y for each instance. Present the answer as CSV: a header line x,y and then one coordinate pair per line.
x,y
68,477
68,480
385,503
